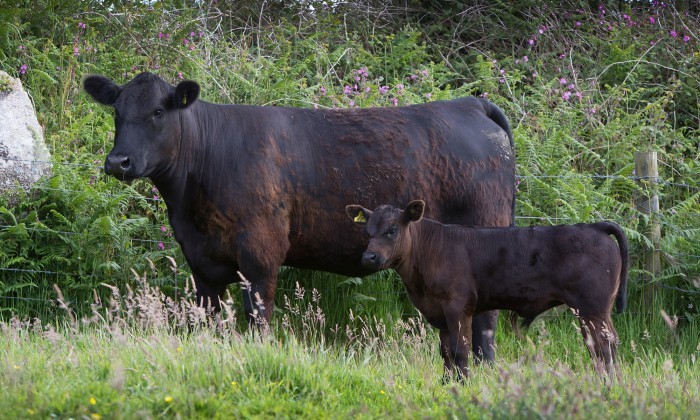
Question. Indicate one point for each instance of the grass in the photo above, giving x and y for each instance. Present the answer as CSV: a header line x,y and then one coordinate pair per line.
x,y
144,355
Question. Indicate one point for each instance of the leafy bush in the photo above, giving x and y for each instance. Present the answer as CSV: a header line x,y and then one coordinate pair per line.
x,y
584,88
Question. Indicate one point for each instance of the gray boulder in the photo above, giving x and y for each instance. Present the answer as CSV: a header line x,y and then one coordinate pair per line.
x,y
24,157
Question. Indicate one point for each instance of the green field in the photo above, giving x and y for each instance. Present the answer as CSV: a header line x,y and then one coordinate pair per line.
x,y
146,356
585,85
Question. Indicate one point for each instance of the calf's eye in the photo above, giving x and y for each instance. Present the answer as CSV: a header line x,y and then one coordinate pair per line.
x,y
158,113
392,230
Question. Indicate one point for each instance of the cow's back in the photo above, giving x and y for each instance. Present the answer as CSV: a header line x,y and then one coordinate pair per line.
x,y
451,154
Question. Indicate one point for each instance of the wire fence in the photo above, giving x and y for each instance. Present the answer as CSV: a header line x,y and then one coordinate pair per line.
x,y
10,275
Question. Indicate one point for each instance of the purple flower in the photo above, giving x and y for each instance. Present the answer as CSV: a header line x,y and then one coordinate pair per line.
x,y
347,90
425,73
76,51
400,87
531,41
571,87
579,95
651,19
322,90
428,95
686,38
525,59
566,95
23,69
578,24
160,245
160,35
542,29
163,229
394,101
352,103
179,74
673,33
383,90
562,81
81,25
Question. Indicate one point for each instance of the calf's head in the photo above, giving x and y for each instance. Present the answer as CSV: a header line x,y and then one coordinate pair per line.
x,y
147,113
388,230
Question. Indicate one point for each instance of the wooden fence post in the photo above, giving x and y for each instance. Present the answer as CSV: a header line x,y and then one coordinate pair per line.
x,y
647,171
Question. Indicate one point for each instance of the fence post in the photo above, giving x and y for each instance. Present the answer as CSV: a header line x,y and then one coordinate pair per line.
x,y
647,171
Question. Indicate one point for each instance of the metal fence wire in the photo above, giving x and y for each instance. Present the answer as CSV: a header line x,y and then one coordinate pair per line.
x,y
14,273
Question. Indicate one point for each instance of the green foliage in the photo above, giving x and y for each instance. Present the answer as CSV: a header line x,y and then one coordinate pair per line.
x,y
584,88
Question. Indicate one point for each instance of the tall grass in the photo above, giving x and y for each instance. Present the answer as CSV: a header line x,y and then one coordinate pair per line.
x,y
144,354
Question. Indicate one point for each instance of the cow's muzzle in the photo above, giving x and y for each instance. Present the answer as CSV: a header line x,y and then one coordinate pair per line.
x,y
117,165
372,260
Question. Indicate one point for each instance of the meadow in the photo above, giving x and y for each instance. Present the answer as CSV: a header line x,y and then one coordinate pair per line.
x,y
96,317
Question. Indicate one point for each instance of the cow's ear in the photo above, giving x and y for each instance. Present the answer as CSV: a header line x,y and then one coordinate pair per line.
x,y
102,89
186,93
358,214
414,210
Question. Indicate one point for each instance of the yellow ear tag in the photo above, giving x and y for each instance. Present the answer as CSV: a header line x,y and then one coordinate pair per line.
x,y
360,218
184,100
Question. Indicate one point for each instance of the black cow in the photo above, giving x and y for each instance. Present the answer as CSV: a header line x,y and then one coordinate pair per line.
x,y
251,188
453,272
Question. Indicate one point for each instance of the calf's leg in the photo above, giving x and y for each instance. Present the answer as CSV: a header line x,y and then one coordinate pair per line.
x,y
601,339
459,328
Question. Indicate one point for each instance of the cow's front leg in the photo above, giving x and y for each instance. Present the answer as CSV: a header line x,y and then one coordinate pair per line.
x,y
261,254
208,297
258,298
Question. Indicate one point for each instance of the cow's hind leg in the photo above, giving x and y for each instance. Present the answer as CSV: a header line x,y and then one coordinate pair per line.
x,y
483,336
601,339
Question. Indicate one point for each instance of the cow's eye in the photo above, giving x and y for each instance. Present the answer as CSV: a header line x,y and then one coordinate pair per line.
x,y
392,231
158,113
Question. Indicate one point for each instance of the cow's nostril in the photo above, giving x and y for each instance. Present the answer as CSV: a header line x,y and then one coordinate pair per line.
x,y
126,163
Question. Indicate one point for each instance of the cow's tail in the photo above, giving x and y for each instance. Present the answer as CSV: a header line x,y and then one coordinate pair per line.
x,y
497,115
614,229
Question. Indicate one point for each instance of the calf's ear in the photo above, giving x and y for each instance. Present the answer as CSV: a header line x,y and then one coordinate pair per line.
x,y
186,93
414,211
358,214
102,89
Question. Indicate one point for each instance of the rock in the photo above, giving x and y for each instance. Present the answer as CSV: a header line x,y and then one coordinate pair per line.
x,y
24,157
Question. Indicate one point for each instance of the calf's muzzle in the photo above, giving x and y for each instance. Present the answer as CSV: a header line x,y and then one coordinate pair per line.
x,y
371,260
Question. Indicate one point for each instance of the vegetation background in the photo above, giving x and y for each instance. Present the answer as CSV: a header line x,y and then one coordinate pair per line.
x,y
586,84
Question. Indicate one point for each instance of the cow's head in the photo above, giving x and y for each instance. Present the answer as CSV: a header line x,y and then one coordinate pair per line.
x,y
147,122
388,230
